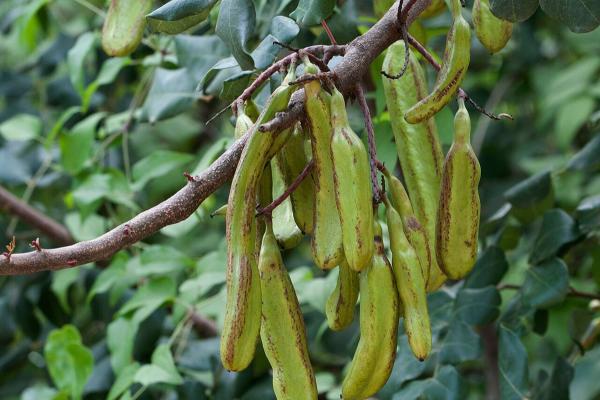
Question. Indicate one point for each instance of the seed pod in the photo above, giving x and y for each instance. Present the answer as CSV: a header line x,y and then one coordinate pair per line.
x,y
418,147
454,67
491,31
221,211
411,285
414,231
459,208
374,357
242,311
293,158
342,301
282,330
326,241
124,26
353,195
243,124
286,231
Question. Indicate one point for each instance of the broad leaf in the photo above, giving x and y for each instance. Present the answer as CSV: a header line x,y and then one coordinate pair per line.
x,y
150,296
177,16
557,229
76,60
312,12
460,344
199,53
512,365
514,10
546,284
156,165
587,158
235,26
489,269
579,15
21,127
571,117
123,381
120,335
406,367
76,146
162,369
477,306
531,197
588,214
69,362
171,93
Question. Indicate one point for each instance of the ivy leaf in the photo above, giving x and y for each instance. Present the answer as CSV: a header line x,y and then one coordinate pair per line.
x,y
21,127
512,365
546,284
557,229
177,16
235,25
489,268
477,306
579,15
76,59
150,296
77,145
199,53
312,12
69,362
123,381
157,164
120,336
514,10
588,214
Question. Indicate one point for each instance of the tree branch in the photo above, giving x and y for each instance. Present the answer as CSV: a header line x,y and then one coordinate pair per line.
x,y
49,227
358,56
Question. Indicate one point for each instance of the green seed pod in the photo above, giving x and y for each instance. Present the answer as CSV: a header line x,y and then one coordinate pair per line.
x,y
282,330
284,226
352,178
459,208
491,31
124,26
342,301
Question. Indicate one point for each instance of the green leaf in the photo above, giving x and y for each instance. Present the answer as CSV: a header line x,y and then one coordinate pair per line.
x,y
70,363
150,296
406,368
158,260
211,154
312,12
460,344
39,392
531,197
284,29
112,187
109,71
571,117
76,146
199,53
489,269
512,365
235,85
114,275
61,282
235,26
445,385
171,93
557,387
265,53
76,60
579,15
162,369
124,379
546,284
587,158
157,164
21,127
477,306
557,229
586,384
120,336
85,228
514,10
177,16
588,214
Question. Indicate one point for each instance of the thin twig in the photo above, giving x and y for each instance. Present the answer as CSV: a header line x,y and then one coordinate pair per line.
x,y
328,31
268,210
362,101
404,32
405,10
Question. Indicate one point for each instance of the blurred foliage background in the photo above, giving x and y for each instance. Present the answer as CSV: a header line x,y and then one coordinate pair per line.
x,y
92,140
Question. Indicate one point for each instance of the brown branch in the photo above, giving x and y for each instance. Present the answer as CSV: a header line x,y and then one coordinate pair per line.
x,y
489,339
268,210
54,230
362,101
358,56
205,328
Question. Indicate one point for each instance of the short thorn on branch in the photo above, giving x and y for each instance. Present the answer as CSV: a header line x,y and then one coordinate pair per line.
x,y
10,248
189,177
421,49
268,210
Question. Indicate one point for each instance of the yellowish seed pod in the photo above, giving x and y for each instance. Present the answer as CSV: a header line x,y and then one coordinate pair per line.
x,y
282,330
339,309
353,195
124,26
491,31
286,231
459,207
